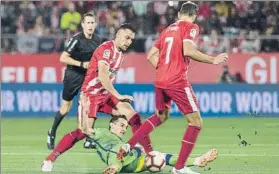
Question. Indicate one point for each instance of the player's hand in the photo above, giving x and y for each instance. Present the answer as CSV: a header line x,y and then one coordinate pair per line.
x,y
125,98
88,131
110,170
85,65
221,58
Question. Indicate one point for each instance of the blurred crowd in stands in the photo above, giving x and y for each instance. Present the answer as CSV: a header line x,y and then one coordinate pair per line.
x,y
239,26
227,77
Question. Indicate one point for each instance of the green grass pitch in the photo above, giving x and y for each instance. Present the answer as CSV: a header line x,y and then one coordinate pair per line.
x,y
23,145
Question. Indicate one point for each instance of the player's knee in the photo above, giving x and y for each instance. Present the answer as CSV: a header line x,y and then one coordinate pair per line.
x,y
163,115
198,123
201,123
87,131
163,118
65,108
127,110
195,121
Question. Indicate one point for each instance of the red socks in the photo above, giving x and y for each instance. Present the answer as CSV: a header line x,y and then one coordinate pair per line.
x,y
141,135
66,143
135,123
188,144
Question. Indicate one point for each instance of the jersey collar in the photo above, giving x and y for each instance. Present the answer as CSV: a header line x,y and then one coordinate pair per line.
x,y
115,48
116,136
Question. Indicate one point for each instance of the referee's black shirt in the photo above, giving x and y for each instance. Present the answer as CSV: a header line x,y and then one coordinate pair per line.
x,y
81,49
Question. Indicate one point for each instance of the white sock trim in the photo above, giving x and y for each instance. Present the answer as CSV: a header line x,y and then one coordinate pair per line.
x,y
151,124
187,142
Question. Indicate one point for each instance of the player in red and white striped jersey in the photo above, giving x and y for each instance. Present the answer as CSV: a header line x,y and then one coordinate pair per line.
x,y
108,55
99,95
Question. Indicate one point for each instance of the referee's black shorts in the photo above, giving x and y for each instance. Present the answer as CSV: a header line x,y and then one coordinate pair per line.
x,y
72,83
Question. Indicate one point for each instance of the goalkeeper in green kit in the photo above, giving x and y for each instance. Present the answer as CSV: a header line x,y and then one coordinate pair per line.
x,y
108,142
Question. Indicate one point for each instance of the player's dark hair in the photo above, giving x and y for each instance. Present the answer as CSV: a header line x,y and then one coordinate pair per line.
x,y
127,26
87,14
189,8
116,117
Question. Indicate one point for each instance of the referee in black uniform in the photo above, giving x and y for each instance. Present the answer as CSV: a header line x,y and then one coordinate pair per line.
x,y
76,55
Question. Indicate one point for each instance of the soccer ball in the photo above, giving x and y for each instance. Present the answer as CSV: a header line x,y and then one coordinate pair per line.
x,y
155,161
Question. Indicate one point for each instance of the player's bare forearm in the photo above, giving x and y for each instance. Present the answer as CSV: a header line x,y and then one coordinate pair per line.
x,y
153,61
67,59
153,56
106,83
189,50
104,79
200,57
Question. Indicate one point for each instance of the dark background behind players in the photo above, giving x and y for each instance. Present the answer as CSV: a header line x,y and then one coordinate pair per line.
x,y
227,77
77,55
230,19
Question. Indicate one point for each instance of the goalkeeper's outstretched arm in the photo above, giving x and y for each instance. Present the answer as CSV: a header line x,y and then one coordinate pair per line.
x,y
111,169
114,163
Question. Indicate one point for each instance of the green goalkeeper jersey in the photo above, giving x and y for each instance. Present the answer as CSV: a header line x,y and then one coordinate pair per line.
x,y
108,145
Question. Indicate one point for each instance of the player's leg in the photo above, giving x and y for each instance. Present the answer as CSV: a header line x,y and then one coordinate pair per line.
x,y
71,85
88,122
64,109
200,161
66,143
187,104
163,102
135,122
69,140
148,126
114,107
171,160
209,156
88,130
89,112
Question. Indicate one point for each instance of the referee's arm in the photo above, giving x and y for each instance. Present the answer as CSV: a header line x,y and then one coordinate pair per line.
x,y
66,58
66,55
